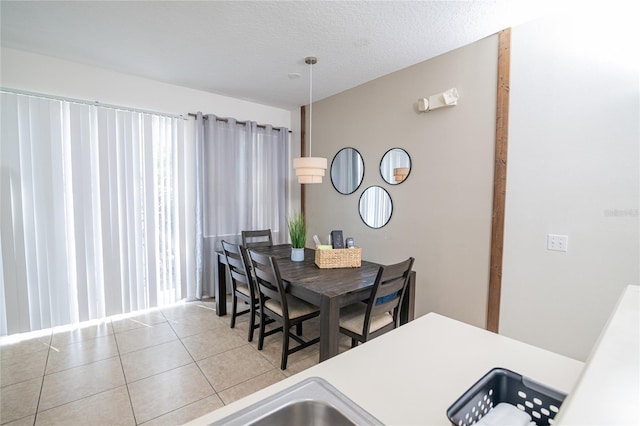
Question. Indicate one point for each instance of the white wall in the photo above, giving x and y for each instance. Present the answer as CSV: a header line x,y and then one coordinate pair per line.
x,y
573,169
42,74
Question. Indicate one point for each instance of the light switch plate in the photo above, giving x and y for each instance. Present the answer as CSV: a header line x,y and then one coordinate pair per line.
x,y
557,242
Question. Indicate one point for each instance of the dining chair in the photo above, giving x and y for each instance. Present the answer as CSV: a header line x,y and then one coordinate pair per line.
x,y
280,306
260,238
380,313
242,285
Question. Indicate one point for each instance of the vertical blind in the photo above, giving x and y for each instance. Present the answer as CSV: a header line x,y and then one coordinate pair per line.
x,y
89,212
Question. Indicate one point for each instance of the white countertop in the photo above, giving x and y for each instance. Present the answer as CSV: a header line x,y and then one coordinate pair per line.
x,y
413,374
608,391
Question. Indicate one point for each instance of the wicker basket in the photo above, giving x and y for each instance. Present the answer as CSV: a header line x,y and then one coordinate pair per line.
x,y
339,258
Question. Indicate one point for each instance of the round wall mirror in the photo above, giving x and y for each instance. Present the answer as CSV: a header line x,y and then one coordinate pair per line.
x,y
395,166
375,207
347,170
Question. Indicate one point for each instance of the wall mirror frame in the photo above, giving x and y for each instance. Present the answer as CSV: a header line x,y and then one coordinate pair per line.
x,y
347,170
395,166
375,207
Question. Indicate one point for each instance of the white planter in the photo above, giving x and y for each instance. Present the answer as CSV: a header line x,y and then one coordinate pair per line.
x,y
297,254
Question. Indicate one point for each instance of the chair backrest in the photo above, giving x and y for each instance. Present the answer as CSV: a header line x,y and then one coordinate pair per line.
x,y
268,279
388,291
261,238
238,263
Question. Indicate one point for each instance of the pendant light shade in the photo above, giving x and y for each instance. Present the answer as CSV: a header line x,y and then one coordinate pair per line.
x,y
310,169
400,173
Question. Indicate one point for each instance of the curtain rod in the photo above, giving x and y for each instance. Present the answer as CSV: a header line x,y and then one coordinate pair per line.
x,y
226,120
95,103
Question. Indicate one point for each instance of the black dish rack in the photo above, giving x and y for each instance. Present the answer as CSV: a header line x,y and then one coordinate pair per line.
x,y
501,385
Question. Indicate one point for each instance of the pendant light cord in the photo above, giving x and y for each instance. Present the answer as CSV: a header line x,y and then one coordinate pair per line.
x,y
310,107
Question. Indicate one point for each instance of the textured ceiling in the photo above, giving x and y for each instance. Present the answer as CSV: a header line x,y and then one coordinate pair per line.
x,y
248,49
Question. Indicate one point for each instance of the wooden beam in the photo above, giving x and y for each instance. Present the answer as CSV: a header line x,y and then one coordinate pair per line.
x,y
499,180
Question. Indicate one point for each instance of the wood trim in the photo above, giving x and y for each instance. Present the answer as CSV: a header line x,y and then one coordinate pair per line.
x,y
303,152
499,180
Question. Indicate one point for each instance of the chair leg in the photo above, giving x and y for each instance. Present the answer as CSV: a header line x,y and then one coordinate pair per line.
x,y
299,329
263,319
285,348
354,342
252,322
234,309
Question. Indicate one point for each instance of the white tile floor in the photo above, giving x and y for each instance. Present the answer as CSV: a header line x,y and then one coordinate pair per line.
x,y
162,367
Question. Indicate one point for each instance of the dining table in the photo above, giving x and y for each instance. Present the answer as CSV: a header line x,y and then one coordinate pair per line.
x,y
329,289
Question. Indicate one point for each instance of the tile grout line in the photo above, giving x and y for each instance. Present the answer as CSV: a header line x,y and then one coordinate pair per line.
x,y
79,365
196,364
79,399
44,374
247,343
86,396
124,375
253,346
192,358
173,411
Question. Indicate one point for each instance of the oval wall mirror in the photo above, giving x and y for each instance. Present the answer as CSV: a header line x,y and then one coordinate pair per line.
x,y
347,170
375,207
395,166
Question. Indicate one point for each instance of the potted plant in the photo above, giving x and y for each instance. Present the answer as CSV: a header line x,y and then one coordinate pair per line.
x,y
298,234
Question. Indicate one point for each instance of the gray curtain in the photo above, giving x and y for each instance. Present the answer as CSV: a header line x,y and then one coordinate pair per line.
x,y
242,180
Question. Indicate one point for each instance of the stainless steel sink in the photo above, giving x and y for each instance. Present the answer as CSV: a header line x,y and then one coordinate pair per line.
x,y
313,402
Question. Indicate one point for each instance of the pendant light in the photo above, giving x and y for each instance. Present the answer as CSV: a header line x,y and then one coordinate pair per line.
x,y
310,169
400,173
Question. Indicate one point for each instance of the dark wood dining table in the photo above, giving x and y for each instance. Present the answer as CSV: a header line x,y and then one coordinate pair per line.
x,y
329,289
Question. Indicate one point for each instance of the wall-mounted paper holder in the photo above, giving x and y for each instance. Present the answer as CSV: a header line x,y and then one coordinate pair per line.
x,y
447,98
